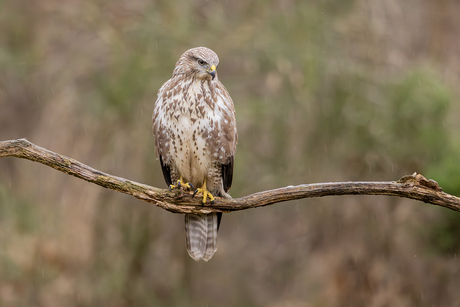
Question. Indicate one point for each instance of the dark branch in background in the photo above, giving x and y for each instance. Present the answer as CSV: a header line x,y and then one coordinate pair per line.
x,y
413,186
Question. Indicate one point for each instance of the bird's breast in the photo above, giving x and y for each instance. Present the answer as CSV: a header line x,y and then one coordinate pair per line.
x,y
190,140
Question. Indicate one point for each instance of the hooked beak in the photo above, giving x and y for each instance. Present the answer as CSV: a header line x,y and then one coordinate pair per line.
x,y
212,71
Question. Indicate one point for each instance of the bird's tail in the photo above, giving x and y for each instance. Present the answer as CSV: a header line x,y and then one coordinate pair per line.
x,y
201,235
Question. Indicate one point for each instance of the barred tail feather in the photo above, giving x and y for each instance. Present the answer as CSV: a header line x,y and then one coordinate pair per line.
x,y
201,235
211,240
195,235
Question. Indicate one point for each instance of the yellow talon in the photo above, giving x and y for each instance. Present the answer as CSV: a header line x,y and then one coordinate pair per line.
x,y
205,192
180,183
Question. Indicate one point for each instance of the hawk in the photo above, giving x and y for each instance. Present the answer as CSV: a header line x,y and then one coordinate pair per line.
x,y
195,133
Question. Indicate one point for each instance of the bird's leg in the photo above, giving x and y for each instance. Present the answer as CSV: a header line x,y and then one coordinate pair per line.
x,y
181,183
205,192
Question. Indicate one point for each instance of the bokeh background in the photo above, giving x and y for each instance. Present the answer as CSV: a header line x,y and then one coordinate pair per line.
x,y
324,91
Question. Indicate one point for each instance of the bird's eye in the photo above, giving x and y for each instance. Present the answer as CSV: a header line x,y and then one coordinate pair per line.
x,y
201,62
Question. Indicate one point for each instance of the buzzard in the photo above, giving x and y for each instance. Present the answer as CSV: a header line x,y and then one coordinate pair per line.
x,y
195,140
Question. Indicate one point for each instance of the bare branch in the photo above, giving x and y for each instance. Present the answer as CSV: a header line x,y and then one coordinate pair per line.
x,y
413,186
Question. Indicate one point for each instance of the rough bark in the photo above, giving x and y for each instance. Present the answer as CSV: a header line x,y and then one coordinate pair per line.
x,y
413,186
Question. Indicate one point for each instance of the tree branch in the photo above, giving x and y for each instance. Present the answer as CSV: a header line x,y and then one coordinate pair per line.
x,y
413,186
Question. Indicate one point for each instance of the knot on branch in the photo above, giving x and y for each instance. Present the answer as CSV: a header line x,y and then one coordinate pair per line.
x,y
419,180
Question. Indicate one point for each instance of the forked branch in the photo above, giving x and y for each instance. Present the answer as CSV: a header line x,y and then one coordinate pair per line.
x,y
413,186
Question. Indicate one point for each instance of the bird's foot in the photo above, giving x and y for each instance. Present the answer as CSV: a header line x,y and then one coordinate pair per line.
x,y
180,183
206,194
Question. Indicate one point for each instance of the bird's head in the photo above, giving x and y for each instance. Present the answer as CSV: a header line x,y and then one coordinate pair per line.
x,y
200,62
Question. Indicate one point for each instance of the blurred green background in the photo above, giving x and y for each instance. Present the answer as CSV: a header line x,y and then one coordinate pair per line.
x,y
324,91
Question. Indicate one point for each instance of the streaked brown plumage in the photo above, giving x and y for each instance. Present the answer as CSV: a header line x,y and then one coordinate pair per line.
x,y
195,139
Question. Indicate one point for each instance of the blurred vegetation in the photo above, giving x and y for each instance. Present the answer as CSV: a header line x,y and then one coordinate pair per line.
x,y
324,91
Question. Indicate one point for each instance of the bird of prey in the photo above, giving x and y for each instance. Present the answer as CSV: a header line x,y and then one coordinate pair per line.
x,y
195,133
